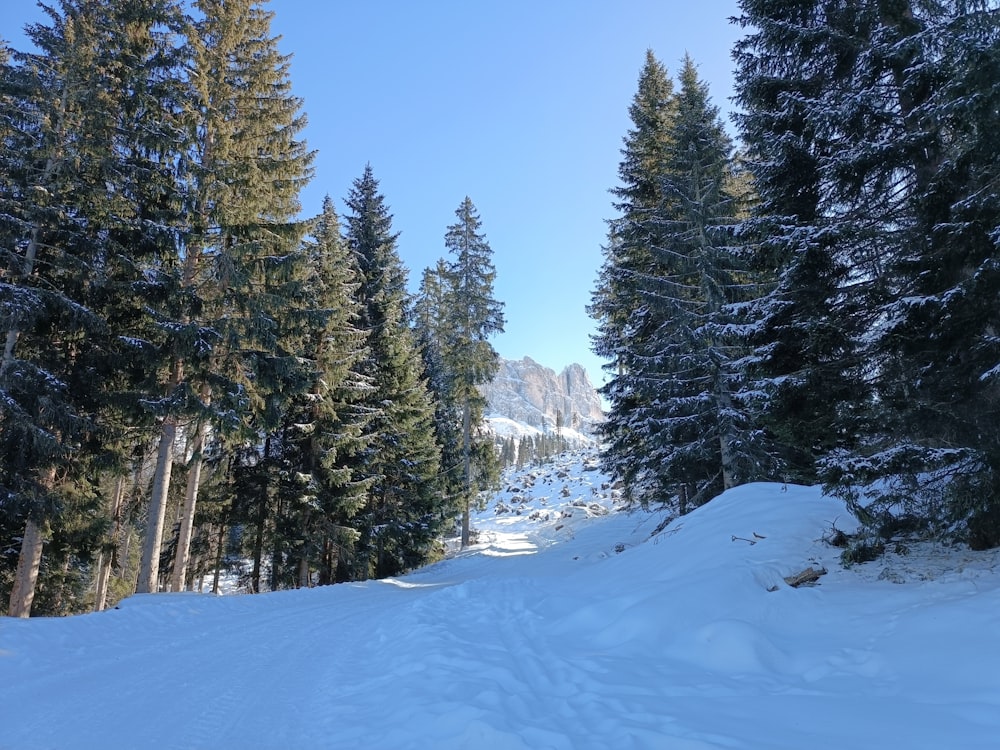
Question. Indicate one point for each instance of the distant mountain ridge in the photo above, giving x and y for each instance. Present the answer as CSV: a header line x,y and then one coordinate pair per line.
x,y
531,394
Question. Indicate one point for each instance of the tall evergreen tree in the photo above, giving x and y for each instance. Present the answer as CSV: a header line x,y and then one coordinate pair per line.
x,y
628,255
243,269
99,204
616,304
433,333
326,426
404,510
901,239
676,430
472,316
809,374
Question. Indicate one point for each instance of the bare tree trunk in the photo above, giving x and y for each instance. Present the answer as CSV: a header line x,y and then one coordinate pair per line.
x,y
466,472
57,604
149,568
258,551
104,562
28,563
29,560
126,548
183,555
220,548
258,542
303,573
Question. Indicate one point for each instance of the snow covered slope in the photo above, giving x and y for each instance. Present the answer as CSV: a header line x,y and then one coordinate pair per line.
x,y
565,627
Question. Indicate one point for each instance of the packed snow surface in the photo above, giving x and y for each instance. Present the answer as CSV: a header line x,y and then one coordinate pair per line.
x,y
567,626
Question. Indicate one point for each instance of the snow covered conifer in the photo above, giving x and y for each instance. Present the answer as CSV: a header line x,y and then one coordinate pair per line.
x,y
616,303
806,367
893,234
628,253
677,427
324,428
100,137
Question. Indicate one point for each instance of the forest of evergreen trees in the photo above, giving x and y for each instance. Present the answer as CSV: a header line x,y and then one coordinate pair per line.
x,y
822,304
193,374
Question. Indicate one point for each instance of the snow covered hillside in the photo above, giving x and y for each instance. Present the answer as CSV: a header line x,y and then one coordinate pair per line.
x,y
565,627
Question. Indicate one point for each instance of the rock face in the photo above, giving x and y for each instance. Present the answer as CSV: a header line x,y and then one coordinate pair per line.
x,y
527,392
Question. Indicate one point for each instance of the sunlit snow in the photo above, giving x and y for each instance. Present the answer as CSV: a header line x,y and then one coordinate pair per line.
x,y
566,627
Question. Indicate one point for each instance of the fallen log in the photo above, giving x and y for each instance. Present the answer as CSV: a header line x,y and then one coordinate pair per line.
x,y
806,577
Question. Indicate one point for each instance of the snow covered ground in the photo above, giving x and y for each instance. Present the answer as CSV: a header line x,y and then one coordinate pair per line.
x,y
566,627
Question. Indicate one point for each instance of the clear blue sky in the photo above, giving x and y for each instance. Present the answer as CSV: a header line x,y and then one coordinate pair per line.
x,y
519,104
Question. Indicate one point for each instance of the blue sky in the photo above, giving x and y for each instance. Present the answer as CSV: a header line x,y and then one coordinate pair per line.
x,y
519,104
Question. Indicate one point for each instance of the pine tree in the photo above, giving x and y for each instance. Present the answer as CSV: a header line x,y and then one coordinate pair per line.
x,y
628,255
809,373
676,431
98,102
404,510
615,304
243,265
327,425
934,450
884,130
433,332
472,315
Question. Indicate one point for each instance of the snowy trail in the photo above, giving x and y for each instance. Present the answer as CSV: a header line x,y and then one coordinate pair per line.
x,y
564,628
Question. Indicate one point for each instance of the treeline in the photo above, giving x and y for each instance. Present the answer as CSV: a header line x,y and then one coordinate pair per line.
x,y
821,305
191,372
530,449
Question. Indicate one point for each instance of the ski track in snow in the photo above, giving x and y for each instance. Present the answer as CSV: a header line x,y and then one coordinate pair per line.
x,y
565,627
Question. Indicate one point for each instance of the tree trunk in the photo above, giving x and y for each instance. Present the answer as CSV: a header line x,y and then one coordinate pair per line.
x,y
221,542
466,472
28,563
149,570
105,560
258,542
183,554
303,573
724,406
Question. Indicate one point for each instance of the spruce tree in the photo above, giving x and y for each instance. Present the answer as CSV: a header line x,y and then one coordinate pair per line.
x,y
616,304
326,426
99,102
808,372
433,332
677,432
628,255
884,130
936,383
243,263
404,511
472,316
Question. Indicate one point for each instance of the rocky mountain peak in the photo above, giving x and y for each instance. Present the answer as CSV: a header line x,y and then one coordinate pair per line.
x,y
527,392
